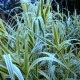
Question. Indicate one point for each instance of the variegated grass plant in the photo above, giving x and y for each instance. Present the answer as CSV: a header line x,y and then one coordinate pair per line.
x,y
41,47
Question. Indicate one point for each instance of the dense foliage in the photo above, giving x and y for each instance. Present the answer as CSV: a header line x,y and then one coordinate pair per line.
x,y
43,44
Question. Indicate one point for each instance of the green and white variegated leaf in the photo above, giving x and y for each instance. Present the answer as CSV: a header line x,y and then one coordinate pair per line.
x,y
41,25
52,70
50,58
44,59
26,1
9,66
18,72
12,68
44,74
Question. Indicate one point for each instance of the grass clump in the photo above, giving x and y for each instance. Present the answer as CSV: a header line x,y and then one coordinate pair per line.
x,y
44,46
